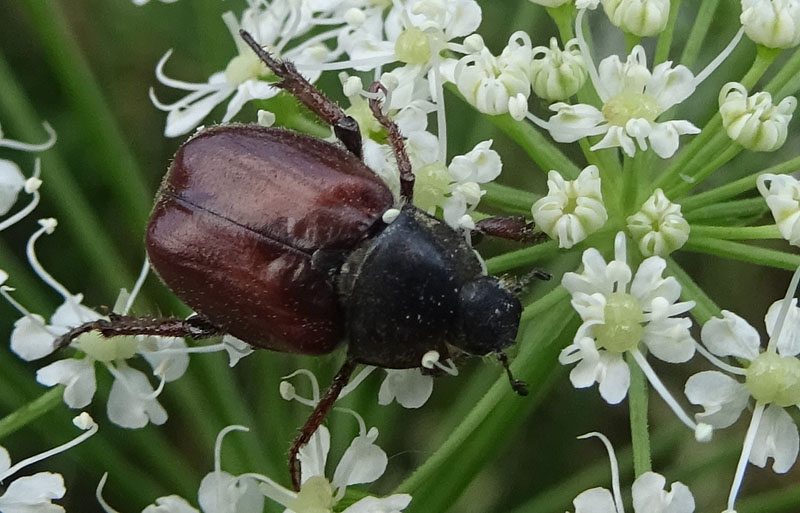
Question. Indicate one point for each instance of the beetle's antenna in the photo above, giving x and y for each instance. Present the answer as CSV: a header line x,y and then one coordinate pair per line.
x,y
517,385
317,416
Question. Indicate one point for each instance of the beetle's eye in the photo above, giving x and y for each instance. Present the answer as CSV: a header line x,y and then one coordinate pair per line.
x,y
488,316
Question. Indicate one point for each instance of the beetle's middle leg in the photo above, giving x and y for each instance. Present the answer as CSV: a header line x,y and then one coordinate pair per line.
x,y
345,127
396,141
193,327
515,228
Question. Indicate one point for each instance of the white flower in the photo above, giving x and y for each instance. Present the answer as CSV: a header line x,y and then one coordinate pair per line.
x,y
489,83
772,23
643,18
11,183
34,494
648,493
633,98
658,227
773,377
409,387
558,74
272,24
782,194
754,122
572,209
619,312
480,165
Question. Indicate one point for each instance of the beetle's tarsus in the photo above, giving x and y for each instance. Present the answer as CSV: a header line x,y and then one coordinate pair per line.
x,y
517,385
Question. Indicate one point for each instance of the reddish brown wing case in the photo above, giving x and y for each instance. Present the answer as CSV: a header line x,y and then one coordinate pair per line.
x,y
239,214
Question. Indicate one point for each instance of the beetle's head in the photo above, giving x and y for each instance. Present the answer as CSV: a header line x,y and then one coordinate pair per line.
x,y
488,315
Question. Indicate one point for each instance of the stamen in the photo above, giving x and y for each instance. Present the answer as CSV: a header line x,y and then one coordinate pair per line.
x,y
587,57
353,384
537,121
717,362
787,303
127,384
137,286
713,65
99,495
218,444
441,120
271,489
47,226
171,82
83,421
353,63
450,368
747,448
612,459
17,145
311,377
652,377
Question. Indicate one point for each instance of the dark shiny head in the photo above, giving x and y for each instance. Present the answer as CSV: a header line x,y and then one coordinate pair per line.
x,y
489,316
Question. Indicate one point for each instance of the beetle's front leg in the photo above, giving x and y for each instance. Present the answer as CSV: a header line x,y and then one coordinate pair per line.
x,y
515,228
398,146
344,126
194,327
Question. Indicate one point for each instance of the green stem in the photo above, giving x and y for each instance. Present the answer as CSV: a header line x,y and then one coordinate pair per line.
x,y
764,57
736,187
509,198
563,16
743,252
115,165
786,500
491,421
631,40
705,308
545,303
788,72
700,25
637,404
735,209
521,257
703,173
29,412
768,231
665,38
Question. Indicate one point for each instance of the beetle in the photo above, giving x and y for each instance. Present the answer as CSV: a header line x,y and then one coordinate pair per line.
x,y
282,240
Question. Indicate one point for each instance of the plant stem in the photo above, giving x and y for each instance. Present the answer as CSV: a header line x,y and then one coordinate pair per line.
x,y
743,252
728,210
700,25
701,175
665,38
637,404
768,231
521,257
29,412
509,198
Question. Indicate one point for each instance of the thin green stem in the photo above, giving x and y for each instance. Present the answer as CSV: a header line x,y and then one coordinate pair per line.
x,y
631,40
114,162
736,209
705,308
703,173
544,303
27,413
665,38
521,257
787,73
764,57
768,231
637,404
736,187
743,252
563,16
509,198
700,25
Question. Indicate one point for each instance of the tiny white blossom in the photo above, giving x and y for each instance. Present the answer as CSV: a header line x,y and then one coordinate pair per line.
x,y
658,227
755,122
647,491
558,74
409,387
643,18
489,83
620,311
572,209
782,194
633,98
772,23
11,183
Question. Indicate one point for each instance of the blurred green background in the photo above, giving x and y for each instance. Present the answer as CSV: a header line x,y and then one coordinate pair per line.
x,y
86,67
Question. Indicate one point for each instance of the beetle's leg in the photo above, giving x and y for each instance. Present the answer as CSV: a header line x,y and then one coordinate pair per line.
x,y
517,385
398,146
193,327
511,227
317,416
344,126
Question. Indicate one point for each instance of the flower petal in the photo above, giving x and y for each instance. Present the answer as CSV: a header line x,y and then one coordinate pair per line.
x,y
170,504
77,375
131,403
731,336
409,387
776,438
362,462
595,500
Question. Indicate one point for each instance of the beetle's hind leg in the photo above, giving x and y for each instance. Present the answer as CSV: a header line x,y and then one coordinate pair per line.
x,y
398,146
515,228
317,416
193,327
344,126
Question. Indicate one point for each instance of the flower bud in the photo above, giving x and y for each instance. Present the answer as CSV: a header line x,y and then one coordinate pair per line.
x,y
658,227
772,23
572,210
489,83
550,3
558,74
754,122
782,194
643,18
